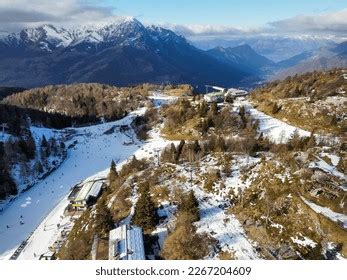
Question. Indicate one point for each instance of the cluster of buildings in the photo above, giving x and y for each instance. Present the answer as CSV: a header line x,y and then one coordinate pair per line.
x,y
221,94
126,241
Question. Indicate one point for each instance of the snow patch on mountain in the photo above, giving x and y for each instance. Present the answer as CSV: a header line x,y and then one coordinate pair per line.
x,y
49,37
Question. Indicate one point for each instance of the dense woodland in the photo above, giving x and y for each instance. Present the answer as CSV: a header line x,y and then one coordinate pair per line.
x,y
88,101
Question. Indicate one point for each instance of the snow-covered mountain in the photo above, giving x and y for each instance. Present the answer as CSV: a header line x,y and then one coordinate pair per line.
x,y
124,52
128,31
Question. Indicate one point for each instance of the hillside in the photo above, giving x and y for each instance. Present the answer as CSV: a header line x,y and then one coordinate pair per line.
x,y
276,48
204,181
58,107
313,101
84,100
237,199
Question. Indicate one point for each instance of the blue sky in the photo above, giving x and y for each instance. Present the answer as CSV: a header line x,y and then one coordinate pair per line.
x,y
221,12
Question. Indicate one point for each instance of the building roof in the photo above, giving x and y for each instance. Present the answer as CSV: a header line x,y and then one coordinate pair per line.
x,y
126,243
84,192
218,93
95,189
89,189
235,91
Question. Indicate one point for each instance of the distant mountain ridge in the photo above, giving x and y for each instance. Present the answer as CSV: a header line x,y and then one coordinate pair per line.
x,y
321,59
276,48
242,56
121,53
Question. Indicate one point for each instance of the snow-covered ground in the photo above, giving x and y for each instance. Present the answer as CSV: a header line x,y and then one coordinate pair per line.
x,y
214,217
224,227
327,212
303,241
276,130
331,169
159,98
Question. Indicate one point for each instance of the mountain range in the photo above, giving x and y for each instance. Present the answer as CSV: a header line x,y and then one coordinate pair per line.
x,y
121,53
274,47
126,52
320,59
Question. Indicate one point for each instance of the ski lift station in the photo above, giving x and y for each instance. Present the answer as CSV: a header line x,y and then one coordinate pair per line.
x,y
126,243
220,94
84,195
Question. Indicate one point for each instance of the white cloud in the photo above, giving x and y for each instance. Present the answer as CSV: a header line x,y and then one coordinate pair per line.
x,y
15,14
322,25
335,22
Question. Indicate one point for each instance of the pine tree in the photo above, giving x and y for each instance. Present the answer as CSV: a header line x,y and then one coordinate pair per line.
x,y
242,113
103,218
203,109
214,109
179,150
31,147
204,126
196,147
113,172
53,146
7,185
190,205
38,167
44,142
145,214
173,153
